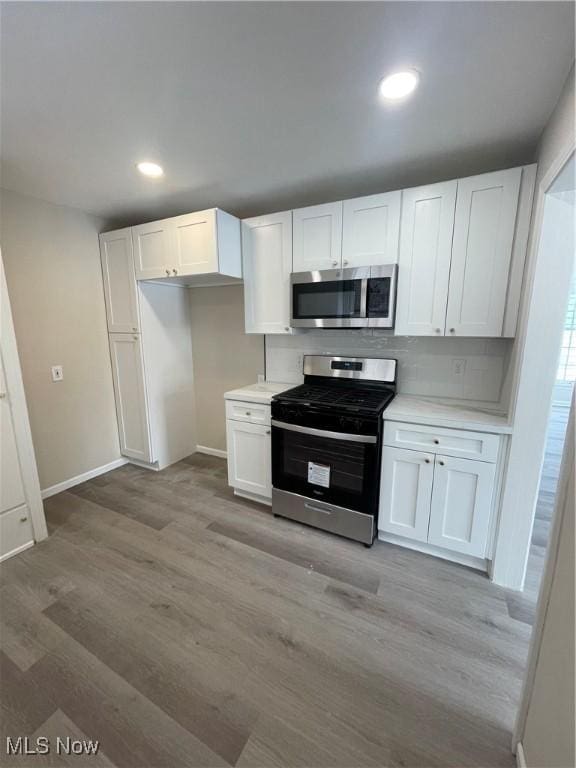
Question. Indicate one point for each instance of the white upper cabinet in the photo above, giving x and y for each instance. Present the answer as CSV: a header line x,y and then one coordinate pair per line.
x,y
461,501
370,230
152,246
195,244
120,288
424,260
484,228
317,233
267,263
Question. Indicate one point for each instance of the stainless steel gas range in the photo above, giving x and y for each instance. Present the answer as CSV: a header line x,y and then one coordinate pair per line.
x,y
327,444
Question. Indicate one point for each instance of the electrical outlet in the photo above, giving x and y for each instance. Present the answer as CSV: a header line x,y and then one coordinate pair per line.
x,y
57,373
458,366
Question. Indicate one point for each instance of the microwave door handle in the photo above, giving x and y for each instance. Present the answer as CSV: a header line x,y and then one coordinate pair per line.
x,y
364,297
324,433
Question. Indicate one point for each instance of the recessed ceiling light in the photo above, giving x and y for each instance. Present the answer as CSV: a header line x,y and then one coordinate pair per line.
x,y
399,85
150,169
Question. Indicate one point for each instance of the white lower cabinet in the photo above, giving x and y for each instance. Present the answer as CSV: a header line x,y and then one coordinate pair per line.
x,y
461,505
249,453
437,499
130,393
406,490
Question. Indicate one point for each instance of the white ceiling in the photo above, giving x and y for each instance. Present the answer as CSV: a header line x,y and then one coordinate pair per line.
x,y
258,106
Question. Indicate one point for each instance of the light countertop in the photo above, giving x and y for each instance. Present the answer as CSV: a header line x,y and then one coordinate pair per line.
x,y
419,410
258,393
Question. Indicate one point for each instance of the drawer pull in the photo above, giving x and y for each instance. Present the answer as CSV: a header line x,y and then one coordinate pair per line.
x,y
268,431
441,463
427,461
436,441
23,519
248,413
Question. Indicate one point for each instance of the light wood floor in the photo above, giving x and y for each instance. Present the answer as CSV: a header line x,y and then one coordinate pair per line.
x,y
181,626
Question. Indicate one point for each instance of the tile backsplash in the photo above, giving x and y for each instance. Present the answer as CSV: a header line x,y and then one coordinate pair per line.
x,y
452,368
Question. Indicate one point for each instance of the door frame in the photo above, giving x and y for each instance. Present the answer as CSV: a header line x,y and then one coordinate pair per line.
x,y
530,403
23,434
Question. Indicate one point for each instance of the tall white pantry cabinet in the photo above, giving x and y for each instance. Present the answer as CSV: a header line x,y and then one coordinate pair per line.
x,y
151,354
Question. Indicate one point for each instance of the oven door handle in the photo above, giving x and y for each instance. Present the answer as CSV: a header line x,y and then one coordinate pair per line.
x,y
325,433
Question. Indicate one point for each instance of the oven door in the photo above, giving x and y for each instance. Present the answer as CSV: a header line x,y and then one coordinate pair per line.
x,y
334,298
335,467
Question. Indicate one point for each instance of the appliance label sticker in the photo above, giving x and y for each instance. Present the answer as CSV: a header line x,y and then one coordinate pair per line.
x,y
319,474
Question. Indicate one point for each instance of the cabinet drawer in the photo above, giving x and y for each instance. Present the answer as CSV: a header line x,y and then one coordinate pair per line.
x,y
255,413
450,442
15,531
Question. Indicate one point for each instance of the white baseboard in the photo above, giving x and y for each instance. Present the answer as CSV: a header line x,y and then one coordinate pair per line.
x,y
16,551
63,486
520,756
212,451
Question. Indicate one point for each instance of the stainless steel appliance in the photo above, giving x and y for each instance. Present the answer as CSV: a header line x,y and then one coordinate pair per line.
x,y
327,444
344,298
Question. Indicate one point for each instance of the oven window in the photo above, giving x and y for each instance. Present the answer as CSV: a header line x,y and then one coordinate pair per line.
x,y
331,299
378,302
336,471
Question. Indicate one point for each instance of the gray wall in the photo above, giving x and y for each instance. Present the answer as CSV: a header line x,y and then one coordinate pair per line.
x,y
54,280
224,356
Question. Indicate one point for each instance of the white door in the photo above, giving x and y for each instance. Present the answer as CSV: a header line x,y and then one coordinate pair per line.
x,y
461,505
129,389
15,523
267,263
11,483
195,243
424,260
120,289
481,253
370,230
249,457
405,492
152,250
317,235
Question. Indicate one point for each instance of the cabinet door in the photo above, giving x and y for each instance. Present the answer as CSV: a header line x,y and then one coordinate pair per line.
x,y
317,237
152,245
120,289
461,505
424,259
405,492
481,253
249,457
370,230
130,393
194,243
267,263
11,483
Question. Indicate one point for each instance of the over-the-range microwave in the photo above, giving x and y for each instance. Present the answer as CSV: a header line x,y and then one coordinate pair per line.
x,y
363,297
